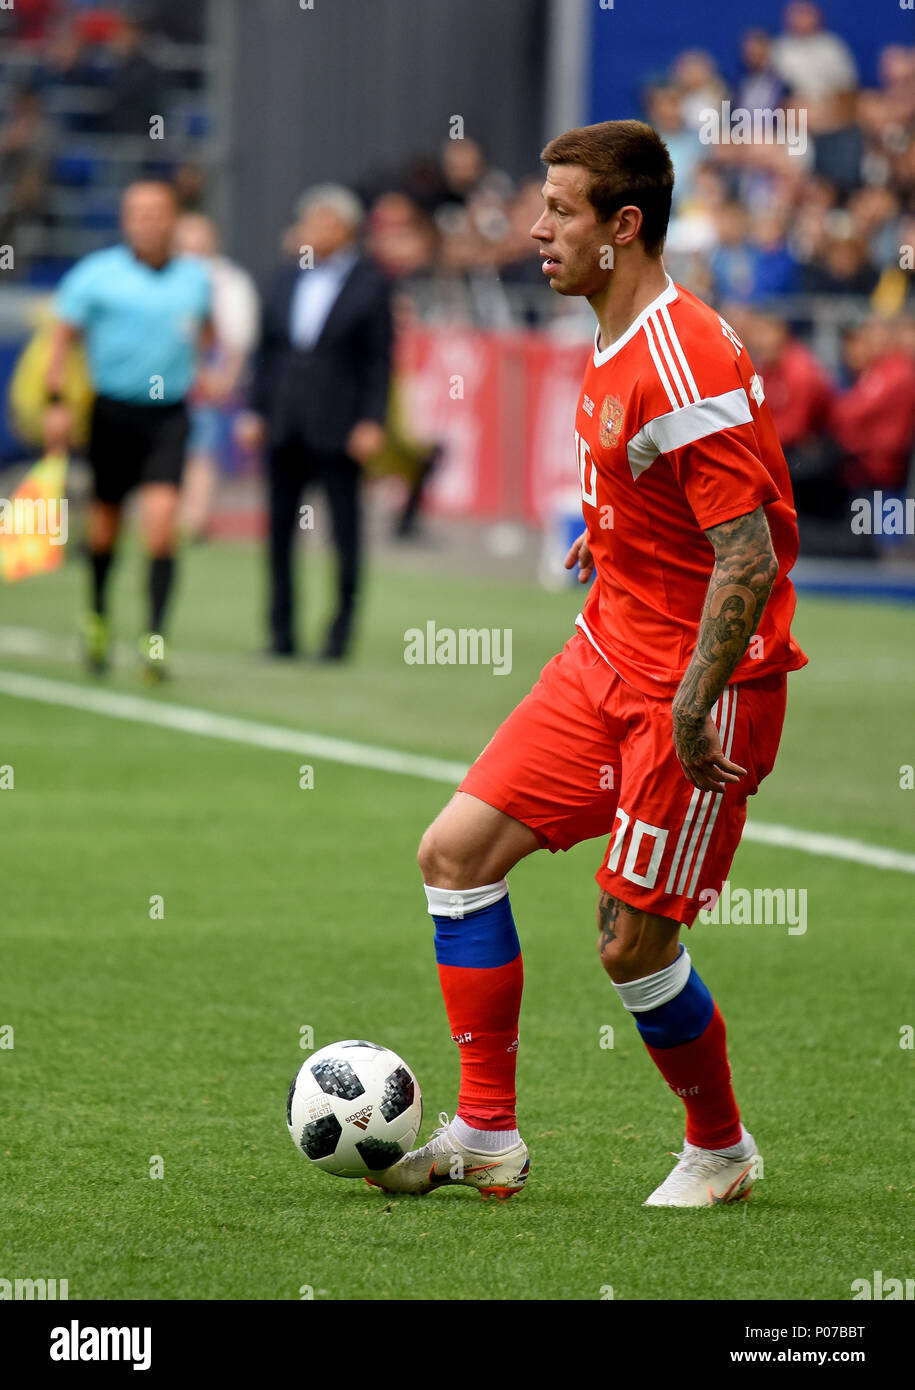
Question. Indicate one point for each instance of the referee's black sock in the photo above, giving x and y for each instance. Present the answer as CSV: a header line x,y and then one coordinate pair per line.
x,y
100,561
161,576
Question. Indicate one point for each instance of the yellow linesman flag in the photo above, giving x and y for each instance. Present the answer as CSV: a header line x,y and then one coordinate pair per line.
x,y
27,398
33,522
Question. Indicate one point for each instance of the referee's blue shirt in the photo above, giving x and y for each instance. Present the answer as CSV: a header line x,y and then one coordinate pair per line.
x,y
140,325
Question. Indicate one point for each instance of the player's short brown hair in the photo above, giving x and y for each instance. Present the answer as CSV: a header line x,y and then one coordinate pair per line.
x,y
629,164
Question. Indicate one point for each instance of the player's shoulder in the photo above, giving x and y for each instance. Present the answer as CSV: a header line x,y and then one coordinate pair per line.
x,y
693,354
194,270
704,332
105,261
90,271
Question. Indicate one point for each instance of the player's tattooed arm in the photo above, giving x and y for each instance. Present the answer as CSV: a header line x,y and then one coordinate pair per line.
x,y
744,572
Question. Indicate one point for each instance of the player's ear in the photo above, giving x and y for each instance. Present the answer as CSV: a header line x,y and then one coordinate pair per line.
x,y
626,224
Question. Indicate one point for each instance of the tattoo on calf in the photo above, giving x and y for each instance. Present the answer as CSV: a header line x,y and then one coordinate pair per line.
x,y
608,911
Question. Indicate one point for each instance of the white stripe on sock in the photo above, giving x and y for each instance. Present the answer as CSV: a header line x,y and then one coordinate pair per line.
x,y
457,903
638,996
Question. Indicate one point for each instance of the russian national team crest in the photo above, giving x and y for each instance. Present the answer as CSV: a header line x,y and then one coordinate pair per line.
x,y
611,421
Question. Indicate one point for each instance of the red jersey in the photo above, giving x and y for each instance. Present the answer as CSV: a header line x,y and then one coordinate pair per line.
x,y
674,436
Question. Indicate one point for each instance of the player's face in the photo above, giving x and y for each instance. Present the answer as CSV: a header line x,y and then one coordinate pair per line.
x,y
573,244
148,217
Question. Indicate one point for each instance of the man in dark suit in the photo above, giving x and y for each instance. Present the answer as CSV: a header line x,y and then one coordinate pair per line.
x,y
319,396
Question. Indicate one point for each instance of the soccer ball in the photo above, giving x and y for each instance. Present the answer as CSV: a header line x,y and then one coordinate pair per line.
x,y
354,1108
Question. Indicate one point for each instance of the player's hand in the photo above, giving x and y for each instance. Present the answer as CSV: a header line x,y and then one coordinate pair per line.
x,y
699,749
580,554
57,427
365,439
250,432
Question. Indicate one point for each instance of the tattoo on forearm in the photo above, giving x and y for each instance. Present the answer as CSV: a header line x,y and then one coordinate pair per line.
x,y
744,572
608,911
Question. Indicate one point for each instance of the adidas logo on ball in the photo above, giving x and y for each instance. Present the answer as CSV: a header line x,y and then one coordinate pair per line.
x,y
360,1118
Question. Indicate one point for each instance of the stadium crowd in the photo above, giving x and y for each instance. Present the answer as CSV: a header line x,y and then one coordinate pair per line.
x,y
806,248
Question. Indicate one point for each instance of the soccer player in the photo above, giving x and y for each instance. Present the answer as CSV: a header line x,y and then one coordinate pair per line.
x,y
141,311
663,711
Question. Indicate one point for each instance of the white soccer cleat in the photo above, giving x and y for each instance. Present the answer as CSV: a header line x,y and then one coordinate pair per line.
x,y
444,1162
706,1178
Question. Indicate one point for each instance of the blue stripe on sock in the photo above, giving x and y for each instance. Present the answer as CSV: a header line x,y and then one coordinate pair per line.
x,y
681,1019
482,940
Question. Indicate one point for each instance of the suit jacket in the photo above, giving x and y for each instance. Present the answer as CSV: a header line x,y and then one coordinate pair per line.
x,y
315,396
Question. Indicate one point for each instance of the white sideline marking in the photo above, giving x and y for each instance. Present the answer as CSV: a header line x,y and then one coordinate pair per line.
x,y
138,709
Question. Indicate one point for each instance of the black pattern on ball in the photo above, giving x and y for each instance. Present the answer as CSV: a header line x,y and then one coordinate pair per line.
x,y
289,1100
361,1042
319,1139
337,1078
398,1094
377,1154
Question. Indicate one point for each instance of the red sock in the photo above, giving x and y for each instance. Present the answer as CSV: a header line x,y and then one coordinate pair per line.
x,y
699,1073
483,1007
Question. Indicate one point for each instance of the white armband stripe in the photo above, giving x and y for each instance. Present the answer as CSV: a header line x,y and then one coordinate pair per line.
x,y
687,425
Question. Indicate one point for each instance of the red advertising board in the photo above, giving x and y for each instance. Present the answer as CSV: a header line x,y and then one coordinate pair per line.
x,y
502,405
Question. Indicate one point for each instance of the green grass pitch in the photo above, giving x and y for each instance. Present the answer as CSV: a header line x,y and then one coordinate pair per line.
x,y
137,1037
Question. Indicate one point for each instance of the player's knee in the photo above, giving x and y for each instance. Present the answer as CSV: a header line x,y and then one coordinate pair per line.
x,y
629,944
621,958
444,861
438,859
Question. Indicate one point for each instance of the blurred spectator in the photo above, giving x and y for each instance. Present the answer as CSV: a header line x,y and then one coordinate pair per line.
x,y
731,262
699,83
400,237
838,141
234,315
177,20
875,220
800,396
463,167
519,261
693,230
811,61
775,270
760,87
67,60
135,83
897,84
32,20
841,265
27,140
190,187
873,422
319,397
748,266
665,113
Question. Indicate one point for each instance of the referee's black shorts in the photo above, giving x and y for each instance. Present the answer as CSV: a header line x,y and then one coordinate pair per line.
x,y
130,445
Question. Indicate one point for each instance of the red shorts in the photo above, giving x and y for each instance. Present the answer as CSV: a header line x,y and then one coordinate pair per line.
x,y
586,754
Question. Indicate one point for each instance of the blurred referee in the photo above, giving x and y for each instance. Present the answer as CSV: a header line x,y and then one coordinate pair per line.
x,y
141,311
